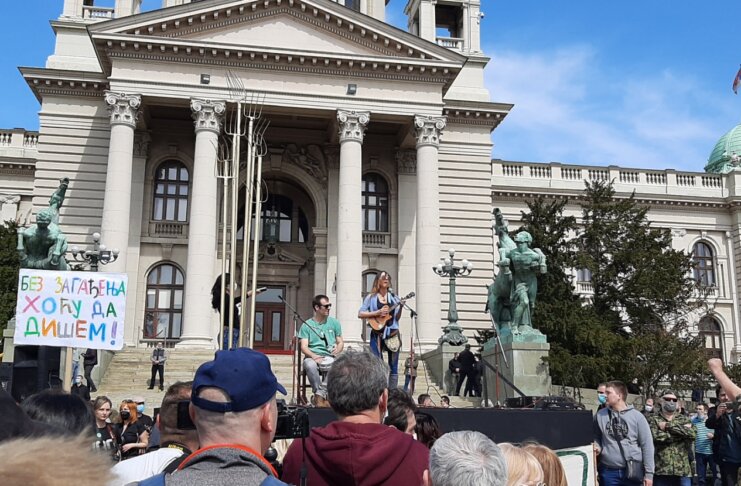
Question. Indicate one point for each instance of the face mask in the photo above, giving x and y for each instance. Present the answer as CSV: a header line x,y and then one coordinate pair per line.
x,y
649,408
602,399
670,406
125,415
140,408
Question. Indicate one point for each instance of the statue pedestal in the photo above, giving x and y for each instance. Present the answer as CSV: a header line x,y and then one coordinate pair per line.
x,y
527,370
8,345
437,365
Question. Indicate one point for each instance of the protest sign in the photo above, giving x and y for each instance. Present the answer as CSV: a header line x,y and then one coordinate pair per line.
x,y
71,309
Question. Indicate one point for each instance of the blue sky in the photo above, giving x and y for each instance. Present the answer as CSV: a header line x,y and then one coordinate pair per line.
x,y
631,83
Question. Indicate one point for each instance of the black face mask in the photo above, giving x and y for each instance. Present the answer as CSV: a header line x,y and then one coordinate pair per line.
x,y
125,415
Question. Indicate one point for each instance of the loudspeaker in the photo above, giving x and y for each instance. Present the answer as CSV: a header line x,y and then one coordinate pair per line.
x,y
35,368
521,402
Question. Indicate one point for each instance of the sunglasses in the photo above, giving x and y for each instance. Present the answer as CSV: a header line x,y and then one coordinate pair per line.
x,y
326,306
670,399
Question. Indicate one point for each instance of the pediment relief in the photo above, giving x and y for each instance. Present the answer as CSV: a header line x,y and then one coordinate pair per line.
x,y
288,30
299,25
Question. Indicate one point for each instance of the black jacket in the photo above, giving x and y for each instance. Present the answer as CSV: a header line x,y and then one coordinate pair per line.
x,y
467,361
90,357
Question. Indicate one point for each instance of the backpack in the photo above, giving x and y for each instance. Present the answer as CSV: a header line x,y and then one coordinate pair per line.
x,y
159,480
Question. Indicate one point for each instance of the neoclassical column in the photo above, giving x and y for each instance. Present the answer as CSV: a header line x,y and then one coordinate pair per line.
x,y
349,223
428,131
198,331
124,110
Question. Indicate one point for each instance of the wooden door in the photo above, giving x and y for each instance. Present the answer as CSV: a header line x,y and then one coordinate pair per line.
x,y
270,318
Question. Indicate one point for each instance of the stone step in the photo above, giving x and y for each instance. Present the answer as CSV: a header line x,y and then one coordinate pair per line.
x,y
129,372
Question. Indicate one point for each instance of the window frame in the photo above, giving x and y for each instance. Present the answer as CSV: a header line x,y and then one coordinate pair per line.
x,y
172,287
179,184
704,269
381,210
710,328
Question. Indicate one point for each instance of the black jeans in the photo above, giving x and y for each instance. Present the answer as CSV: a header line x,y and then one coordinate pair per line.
x,y
157,368
89,378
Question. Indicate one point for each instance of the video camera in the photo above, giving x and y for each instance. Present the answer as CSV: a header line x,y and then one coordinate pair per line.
x,y
293,422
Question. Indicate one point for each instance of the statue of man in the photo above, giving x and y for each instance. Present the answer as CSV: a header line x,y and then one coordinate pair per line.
x,y
526,264
43,245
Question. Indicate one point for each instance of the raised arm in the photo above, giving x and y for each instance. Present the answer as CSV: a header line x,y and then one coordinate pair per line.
x,y
716,368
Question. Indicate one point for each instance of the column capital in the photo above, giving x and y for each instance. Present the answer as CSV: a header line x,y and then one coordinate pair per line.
x,y
406,162
208,114
352,125
428,129
124,108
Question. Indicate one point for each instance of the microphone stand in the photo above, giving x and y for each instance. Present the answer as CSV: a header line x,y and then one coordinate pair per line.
x,y
413,315
297,352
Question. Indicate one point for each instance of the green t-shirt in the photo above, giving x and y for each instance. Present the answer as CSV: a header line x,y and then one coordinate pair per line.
x,y
322,337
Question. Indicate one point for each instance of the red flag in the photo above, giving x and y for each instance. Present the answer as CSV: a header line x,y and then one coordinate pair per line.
x,y
737,81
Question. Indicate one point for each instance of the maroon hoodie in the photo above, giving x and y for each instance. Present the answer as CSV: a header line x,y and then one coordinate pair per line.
x,y
347,454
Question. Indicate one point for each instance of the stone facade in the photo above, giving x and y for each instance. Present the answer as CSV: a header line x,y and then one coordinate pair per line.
x,y
376,137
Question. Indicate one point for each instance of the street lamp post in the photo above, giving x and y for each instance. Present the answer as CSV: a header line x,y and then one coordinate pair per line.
x,y
452,334
99,255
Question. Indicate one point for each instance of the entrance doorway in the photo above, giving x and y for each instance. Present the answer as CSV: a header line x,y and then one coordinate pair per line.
x,y
270,320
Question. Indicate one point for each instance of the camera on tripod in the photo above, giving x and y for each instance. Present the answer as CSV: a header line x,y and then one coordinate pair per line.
x,y
293,422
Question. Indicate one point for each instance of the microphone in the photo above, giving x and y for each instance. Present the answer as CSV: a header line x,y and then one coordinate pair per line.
x,y
281,297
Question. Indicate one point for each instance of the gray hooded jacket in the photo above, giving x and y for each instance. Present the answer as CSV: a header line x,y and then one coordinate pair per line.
x,y
631,425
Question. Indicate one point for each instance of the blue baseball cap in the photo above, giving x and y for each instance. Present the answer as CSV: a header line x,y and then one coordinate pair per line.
x,y
243,374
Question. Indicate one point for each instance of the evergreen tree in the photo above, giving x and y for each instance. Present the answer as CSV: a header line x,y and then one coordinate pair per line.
x,y
9,265
635,326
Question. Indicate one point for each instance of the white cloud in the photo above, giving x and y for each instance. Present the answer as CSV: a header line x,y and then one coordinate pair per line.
x,y
570,108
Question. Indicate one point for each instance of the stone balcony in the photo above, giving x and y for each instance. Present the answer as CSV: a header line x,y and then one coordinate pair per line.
x,y
91,12
450,42
569,179
17,143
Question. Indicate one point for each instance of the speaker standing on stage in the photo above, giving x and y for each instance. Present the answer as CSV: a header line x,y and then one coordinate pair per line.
x,y
467,361
377,304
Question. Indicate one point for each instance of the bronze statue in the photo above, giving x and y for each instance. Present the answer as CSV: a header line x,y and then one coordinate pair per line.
x,y
43,245
511,297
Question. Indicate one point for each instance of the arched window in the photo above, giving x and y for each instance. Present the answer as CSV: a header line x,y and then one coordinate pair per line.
x,y
704,270
171,192
163,317
375,203
280,217
712,336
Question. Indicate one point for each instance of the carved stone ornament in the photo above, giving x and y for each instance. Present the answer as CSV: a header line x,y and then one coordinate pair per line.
x,y
428,129
141,143
310,158
406,161
124,108
9,199
208,114
352,125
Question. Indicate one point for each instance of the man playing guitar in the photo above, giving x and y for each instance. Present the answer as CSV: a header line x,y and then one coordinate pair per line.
x,y
377,304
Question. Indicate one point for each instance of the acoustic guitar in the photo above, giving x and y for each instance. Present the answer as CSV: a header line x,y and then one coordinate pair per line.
x,y
379,322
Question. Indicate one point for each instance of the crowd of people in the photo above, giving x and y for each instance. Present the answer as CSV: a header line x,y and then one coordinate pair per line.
x,y
217,429
665,443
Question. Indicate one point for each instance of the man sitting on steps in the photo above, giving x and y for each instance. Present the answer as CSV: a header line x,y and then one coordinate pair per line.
x,y
321,342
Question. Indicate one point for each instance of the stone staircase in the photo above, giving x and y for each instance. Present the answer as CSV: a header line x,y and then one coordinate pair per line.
x,y
129,371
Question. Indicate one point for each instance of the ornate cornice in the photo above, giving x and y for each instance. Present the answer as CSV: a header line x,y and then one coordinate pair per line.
x,y
406,162
64,83
22,169
428,130
352,125
208,114
124,108
292,62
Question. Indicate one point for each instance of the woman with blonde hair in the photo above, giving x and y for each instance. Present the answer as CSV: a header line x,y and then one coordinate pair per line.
x,y
523,469
553,473
132,435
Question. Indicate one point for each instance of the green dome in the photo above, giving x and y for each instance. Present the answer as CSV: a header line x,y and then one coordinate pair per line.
x,y
728,145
